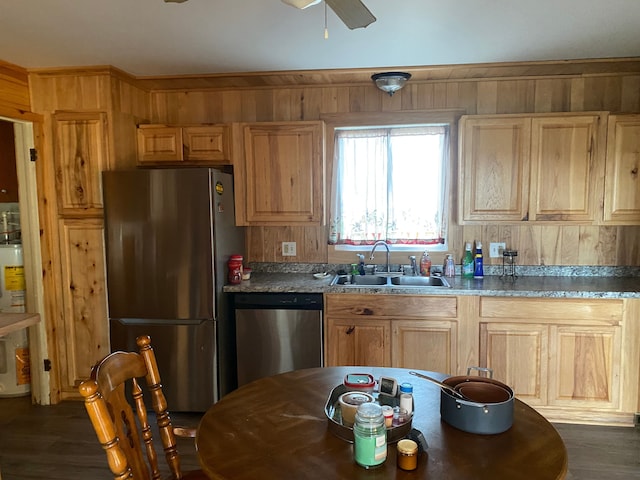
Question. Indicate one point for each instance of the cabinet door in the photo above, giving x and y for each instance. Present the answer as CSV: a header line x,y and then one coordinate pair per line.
x,y
566,165
494,170
283,174
585,366
622,188
85,338
358,342
207,143
517,354
424,345
159,144
81,154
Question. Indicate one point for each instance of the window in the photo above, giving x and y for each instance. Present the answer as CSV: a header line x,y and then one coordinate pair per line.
x,y
389,184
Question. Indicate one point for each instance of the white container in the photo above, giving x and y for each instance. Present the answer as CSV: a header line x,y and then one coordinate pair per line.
x,y
15,378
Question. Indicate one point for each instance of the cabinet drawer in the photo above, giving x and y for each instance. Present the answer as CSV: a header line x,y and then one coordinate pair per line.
x,y
553,309
391,305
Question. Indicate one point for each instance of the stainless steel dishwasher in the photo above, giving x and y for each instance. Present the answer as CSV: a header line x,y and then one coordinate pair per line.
x,y
276,333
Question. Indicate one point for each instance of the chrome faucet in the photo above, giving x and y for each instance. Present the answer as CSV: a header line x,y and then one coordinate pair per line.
x,y
383,243
414,265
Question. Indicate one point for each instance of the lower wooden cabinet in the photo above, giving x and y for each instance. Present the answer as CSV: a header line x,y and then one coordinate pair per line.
x,y
573,359
391,330
562,356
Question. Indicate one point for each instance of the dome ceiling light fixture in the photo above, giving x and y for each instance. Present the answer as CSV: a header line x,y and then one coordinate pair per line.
x,y
390,82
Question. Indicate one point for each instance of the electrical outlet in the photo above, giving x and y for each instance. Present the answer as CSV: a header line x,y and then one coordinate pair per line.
x,y
496,249
288,249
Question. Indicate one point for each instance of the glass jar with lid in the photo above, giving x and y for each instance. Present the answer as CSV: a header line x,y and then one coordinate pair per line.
x,y
370,436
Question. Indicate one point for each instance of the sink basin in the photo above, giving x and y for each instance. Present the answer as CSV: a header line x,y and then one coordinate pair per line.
x,y
420,282
386,280
360,280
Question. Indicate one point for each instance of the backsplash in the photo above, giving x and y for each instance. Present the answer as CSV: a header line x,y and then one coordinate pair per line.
x,y
489,270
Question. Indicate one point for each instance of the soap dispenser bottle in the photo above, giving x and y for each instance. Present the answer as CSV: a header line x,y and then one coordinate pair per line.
x,y
425,264
478,271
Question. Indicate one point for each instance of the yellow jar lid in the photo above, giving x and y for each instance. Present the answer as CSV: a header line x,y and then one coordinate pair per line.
x,y
407,447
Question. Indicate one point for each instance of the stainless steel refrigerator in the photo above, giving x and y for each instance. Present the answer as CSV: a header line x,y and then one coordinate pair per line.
x,y
169,234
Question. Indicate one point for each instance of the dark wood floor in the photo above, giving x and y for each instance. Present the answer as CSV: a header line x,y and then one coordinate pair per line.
x,y
57,442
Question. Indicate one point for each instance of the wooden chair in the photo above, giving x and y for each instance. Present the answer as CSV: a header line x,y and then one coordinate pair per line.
x,y
122,438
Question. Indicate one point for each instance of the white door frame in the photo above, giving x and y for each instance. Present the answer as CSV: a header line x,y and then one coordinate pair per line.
x,y
30,228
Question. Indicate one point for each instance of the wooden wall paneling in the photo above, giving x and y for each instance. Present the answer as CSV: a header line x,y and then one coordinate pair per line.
x,y
530,244
315,244
630,96
264,105
467,95
329,99
231,108
588,246
628,247
84,297
424,95
551,245
439,95
607,240
285,102
515,96
577,95
487,101
311,101
569,245
552,95
603,93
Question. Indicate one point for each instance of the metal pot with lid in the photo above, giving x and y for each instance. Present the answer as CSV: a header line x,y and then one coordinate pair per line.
x,y
475,404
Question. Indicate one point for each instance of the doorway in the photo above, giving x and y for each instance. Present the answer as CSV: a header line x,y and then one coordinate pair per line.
x,y
26,208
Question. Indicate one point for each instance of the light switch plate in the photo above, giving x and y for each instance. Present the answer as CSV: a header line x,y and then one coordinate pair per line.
x,y
496,249
288,249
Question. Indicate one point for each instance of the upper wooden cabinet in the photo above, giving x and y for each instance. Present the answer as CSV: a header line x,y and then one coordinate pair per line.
x,y
179,145
494,170
80,155
622,179
531,167
279,173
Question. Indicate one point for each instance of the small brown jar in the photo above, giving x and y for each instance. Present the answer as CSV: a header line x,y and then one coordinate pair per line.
x,y
407,454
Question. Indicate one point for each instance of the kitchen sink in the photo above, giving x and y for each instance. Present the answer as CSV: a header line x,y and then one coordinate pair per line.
x,y
391,281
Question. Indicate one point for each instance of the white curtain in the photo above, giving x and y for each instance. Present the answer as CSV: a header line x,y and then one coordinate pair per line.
x,y
388,184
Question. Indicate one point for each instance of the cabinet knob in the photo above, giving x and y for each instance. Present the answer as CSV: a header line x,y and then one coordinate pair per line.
x,y
351,329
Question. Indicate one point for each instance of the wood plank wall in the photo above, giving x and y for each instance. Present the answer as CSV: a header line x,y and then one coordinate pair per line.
x,y
537,245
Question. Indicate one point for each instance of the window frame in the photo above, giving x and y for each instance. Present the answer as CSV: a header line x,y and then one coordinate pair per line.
x,y
346,254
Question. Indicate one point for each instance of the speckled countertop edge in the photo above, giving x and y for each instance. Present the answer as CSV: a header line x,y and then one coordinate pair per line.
x,y
491,285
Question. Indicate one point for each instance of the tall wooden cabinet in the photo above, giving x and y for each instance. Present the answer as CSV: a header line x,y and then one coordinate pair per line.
x,y
544,168
81,152
279,173
622,186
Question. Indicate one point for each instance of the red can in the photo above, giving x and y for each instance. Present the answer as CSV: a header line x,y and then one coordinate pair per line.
x,y
235,269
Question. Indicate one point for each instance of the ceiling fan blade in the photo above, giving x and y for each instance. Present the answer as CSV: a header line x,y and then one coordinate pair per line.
x,y
353,13
301,4
174,1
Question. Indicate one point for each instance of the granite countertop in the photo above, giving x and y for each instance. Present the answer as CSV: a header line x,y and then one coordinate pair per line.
x,y
496,286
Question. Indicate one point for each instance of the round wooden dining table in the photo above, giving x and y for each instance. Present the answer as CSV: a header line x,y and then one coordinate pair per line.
x,y
276,427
